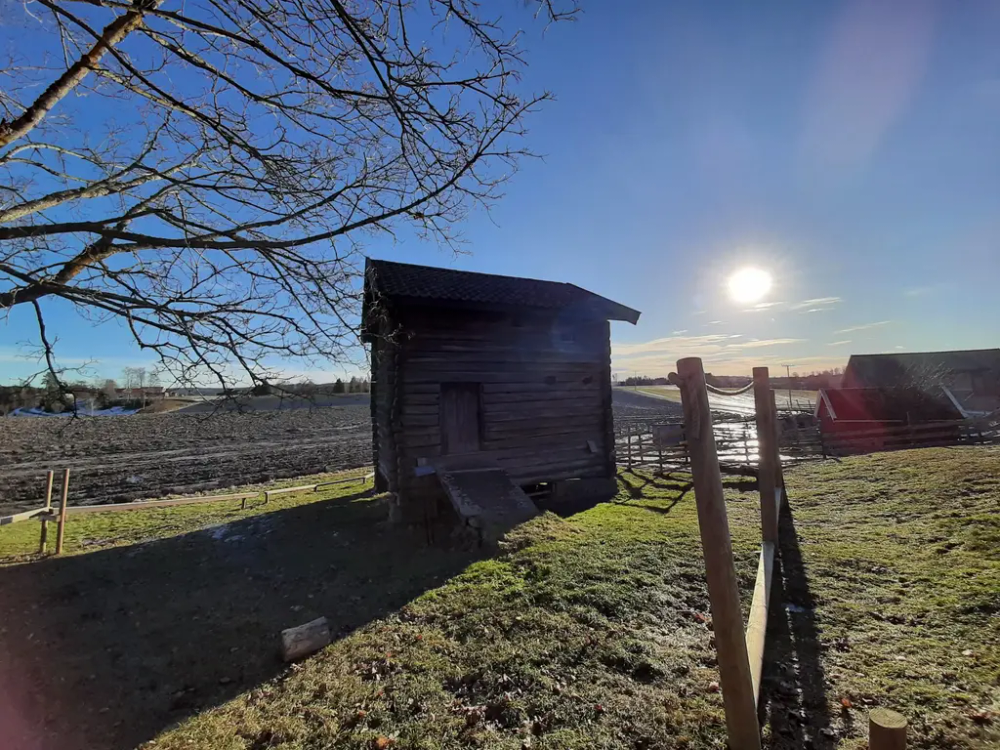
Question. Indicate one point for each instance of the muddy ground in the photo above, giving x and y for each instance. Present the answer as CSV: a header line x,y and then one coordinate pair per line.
x,y
116,459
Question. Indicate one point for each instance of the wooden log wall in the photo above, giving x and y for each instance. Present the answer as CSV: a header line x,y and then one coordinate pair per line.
x,y
384,399
544,391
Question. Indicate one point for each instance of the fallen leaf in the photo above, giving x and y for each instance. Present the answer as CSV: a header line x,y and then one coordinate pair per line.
x,y
846,703
382,742
713,687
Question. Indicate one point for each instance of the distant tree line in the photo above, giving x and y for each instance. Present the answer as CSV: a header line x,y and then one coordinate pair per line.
x,y
140,386
643,380
812,381
310,389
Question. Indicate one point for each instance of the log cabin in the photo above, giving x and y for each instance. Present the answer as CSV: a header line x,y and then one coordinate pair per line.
x,y
471,372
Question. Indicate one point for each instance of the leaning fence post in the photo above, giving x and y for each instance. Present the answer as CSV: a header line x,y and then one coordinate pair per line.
x,y
886,730
63,503
723,591
766,451
44,536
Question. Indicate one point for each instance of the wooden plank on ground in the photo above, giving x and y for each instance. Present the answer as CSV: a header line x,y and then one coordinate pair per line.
x,y
26,515
111,507
268,494
757,621
332,482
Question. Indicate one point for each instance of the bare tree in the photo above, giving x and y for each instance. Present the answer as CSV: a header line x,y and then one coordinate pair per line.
x,y
140,382
110,390
128,381
155,382
205,171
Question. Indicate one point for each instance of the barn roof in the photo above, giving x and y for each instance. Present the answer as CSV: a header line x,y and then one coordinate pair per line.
x,y
886,370
889,404
413,284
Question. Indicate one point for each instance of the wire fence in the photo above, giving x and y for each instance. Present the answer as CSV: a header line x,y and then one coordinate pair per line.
x,y
661,442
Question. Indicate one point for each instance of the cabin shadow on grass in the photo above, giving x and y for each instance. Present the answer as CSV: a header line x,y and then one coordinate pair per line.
x,y
107,649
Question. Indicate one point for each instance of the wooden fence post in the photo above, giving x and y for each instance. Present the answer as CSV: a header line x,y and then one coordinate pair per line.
x,y
63,503
886,730
767,471
44,535
723,591
628,438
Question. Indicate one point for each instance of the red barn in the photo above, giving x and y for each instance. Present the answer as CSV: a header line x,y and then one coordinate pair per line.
x,y
860,420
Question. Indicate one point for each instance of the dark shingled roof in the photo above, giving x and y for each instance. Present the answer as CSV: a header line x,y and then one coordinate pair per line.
x,y
888,370
412,284
889,404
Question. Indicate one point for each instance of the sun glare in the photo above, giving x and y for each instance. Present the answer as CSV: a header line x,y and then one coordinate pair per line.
x,y
749,285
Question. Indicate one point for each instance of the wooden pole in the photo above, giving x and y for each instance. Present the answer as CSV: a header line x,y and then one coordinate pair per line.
x,y
63,502
767,453
886,730
628,427
44,537
779,474
723,592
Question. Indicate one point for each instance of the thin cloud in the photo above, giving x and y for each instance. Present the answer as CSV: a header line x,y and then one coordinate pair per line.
x,y
816,304
724,363
767,342
725,352
839,343
920,291
696,344
865,327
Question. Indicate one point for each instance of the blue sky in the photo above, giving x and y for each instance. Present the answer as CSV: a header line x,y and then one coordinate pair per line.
x,y
849,149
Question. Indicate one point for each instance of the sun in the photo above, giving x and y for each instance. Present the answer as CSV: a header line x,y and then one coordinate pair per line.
x,y
749,285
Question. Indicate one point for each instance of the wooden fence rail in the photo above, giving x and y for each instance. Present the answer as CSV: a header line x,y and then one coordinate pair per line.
x,y
45,514
741,651
812,441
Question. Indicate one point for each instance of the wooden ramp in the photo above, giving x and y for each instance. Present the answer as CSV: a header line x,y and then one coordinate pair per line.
x,y
485,497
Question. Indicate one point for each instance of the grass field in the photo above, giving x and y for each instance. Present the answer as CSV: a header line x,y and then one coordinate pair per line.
x,y
588,631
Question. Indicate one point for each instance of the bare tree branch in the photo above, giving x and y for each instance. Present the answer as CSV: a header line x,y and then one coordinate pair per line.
x,y
213,180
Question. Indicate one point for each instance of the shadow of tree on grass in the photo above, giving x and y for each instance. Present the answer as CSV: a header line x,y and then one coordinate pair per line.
x,y
106,649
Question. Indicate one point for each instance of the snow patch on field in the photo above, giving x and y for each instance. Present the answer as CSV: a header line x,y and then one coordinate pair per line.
x,y
34,411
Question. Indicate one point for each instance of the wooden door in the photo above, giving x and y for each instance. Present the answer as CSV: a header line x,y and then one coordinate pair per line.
x,y
459,418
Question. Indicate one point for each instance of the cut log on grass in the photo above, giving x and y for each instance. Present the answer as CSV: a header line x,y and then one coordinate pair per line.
x,y
886,730
305,639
